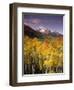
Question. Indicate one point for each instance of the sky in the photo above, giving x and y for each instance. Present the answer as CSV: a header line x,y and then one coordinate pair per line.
x,y
51,22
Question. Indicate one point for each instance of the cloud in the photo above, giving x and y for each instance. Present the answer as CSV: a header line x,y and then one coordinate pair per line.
x,y
36,21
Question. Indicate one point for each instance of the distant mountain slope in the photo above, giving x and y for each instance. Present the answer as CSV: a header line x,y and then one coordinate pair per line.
x,y
35,33
31,32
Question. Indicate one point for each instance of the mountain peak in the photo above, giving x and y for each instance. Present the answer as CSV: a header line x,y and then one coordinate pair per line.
x,y
39,33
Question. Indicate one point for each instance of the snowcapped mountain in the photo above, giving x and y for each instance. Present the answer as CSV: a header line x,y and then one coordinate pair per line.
x,y
42,32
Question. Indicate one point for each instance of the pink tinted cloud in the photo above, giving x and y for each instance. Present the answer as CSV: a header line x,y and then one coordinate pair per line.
x,y
36,21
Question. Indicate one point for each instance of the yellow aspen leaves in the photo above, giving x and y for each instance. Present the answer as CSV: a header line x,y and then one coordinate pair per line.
x,y
46,53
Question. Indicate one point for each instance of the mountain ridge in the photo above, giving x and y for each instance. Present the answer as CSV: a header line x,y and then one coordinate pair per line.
x,y
36,33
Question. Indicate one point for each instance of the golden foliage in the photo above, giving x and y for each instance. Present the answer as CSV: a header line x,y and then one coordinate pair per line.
x,y
47,53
